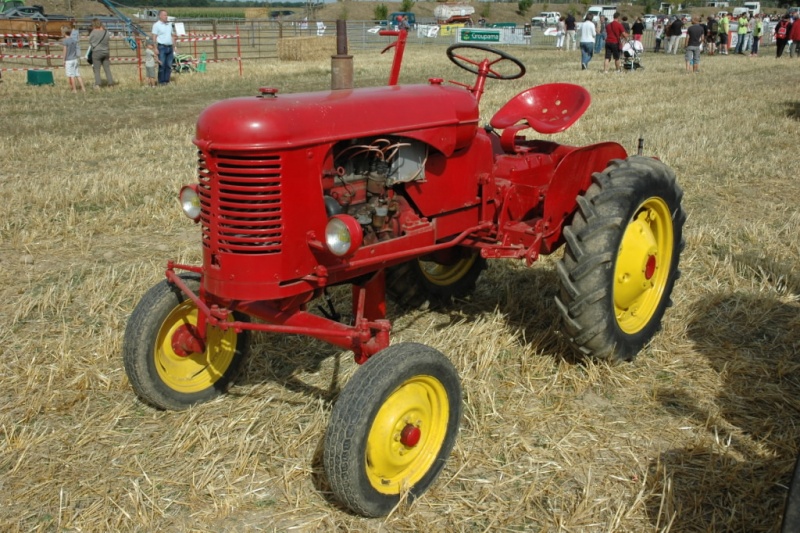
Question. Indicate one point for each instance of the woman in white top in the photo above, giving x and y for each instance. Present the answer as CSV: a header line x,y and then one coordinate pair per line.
x,y
561,31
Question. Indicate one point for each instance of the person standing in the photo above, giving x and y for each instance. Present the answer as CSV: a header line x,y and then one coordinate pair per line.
x,y
588,35
694,37
164,37
758,32
724,27
99,40
751,26
659,34
561,33
600,40
781,35
712,29
614,32
71,59
675,34
570,23
794,36
150,62
637,29
741,33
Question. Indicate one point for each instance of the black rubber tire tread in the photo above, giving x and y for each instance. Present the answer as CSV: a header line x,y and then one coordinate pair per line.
x,y
138,344
791,513
355,410
586,271
408,287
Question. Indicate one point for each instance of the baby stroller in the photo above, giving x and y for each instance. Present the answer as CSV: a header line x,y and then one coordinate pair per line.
x,y
632,55
183,63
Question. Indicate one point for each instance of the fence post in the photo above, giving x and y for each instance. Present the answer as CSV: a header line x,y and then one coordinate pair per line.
x,y
238,50
215,32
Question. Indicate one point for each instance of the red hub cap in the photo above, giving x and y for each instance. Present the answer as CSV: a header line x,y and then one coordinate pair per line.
x,y
410,436
650,268
185,342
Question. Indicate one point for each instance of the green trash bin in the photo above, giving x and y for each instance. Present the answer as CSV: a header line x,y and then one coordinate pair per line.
x,y
40,77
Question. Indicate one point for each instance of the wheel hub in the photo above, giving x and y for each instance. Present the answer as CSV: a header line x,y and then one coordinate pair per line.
x,y
410,436
185,341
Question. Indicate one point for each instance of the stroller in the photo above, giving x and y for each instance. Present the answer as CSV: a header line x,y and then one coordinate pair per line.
x,y
183,63
632,55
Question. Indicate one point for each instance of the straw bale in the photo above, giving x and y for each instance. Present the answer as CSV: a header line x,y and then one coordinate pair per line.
x,y
306,48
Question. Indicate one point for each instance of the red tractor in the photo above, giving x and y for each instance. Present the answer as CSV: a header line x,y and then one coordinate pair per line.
x,y
302,192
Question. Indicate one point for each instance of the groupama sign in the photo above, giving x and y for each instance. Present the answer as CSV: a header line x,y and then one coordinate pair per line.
x,y
493,35
469,35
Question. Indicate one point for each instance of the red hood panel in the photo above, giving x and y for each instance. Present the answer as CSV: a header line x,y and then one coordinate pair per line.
x,y
445,117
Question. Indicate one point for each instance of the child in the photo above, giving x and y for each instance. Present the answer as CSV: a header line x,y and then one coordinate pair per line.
x,y
150,61
71,58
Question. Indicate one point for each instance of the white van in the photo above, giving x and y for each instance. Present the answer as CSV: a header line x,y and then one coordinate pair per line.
x,y
606,11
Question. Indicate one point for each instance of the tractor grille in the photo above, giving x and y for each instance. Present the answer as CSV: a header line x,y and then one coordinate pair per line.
x,y
241,202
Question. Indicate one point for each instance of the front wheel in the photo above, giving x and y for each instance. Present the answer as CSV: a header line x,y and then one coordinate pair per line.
x,y
167,365
392,428
621,258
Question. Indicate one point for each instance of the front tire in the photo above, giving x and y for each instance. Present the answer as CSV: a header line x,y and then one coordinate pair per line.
x,y
621,258
392,428
166,376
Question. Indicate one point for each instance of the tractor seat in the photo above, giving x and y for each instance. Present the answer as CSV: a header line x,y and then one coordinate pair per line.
x,y
549,108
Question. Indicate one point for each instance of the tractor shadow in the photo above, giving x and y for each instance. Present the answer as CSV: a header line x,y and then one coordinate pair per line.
x,y
737,474
295,362
792,110
525,297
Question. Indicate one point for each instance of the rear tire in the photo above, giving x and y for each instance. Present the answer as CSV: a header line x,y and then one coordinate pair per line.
x,y
160,375
392,428
621,258
435,279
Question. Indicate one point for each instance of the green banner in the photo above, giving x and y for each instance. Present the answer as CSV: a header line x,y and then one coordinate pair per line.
x,y
483,36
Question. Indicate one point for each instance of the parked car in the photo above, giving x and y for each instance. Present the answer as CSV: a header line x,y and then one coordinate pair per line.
x,y
650,21
546,18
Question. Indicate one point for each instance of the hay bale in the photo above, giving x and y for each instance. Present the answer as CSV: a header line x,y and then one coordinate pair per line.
x,y
305,48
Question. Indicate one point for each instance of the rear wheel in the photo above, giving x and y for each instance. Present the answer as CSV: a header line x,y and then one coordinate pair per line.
x,y
392,428
441,277
166,364
621,258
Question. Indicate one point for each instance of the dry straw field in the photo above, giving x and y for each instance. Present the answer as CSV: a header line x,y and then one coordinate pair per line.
x,y
700,433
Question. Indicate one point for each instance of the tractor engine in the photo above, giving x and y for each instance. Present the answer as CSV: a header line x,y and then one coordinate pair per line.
x,y
361,182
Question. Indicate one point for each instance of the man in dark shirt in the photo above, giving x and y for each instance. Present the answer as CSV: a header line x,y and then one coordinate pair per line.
x,y
675,33
570,23
694,36
614,32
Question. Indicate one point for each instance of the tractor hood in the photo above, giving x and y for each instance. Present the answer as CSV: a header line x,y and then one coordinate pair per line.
x,y
444,117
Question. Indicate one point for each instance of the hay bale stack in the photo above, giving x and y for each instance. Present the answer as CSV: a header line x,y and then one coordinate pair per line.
x,y
256,13
305,48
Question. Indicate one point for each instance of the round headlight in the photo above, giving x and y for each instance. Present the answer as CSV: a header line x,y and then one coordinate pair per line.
x,y
343,235
190,202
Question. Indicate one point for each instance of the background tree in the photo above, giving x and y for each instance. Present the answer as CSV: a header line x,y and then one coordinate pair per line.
x,y
381,12
523,6
486,10
407,5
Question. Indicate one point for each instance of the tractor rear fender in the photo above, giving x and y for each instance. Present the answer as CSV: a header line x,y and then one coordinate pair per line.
x,y
571,178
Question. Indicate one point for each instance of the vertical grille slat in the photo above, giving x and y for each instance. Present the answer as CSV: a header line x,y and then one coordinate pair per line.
x,y
241,202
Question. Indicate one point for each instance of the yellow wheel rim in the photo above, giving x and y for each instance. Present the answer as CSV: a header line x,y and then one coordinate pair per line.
x,y
419,408
193,372
446,275
643,265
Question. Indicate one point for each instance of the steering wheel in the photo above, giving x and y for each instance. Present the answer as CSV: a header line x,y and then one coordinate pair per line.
x,y
473,66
